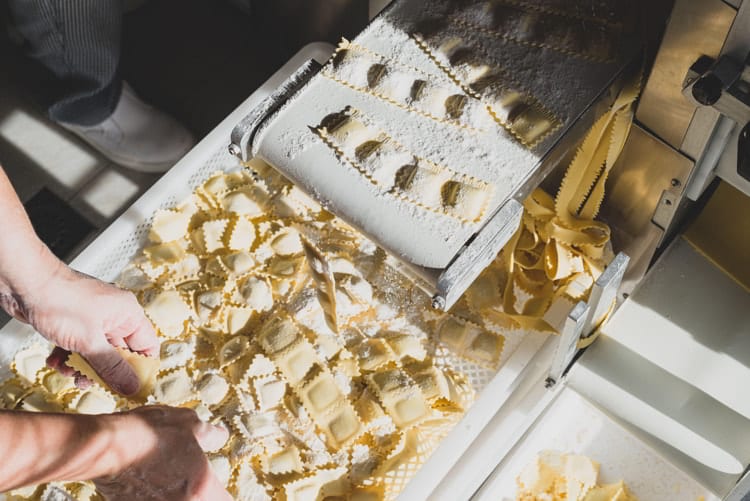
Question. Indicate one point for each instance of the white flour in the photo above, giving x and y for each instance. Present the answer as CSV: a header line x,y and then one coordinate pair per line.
x,y
563,84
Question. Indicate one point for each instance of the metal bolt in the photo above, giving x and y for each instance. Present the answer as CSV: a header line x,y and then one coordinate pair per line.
x,y
235,150
707,90
438,302
675,182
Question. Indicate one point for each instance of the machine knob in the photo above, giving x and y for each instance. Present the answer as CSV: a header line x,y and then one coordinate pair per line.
x,y
707,90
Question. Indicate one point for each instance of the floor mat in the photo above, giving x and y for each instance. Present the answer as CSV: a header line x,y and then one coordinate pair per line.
x,y
57,223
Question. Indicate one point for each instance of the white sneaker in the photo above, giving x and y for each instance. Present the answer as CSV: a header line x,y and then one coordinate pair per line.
x,y
137,135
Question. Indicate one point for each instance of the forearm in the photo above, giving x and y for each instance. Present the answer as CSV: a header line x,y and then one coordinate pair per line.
x,y
151,450
37,448
25,262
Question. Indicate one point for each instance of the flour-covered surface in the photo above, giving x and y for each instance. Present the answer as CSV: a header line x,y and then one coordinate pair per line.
x,y
452,91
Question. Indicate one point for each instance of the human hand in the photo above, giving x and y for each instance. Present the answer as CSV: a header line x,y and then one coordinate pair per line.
x,y
79,313
160,457
76,312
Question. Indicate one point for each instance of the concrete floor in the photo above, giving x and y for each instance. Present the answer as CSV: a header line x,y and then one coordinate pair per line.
x,y
197,60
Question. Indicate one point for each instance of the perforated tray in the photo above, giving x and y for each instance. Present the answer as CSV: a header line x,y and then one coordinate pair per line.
x,y
106,256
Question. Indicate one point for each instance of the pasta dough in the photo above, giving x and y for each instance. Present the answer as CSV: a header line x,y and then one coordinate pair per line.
x,y
398,172
145,369
248,339
554,476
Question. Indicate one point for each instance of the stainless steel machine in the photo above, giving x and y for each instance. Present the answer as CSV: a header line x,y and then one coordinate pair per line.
x,y
670,364
451,55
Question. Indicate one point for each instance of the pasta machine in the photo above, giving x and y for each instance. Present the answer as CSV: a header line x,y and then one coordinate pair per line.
x,y
430,128
447,100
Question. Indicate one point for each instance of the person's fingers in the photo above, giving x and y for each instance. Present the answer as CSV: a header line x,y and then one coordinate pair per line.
x,y
143,338
210,437
56,360
113,369
81,381
117,342
210,489
19,315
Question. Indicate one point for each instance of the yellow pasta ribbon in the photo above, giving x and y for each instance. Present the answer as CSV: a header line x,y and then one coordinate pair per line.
x,y
560,249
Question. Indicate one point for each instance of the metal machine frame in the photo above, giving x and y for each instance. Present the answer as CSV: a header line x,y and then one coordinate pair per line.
x,y
446,285
668,162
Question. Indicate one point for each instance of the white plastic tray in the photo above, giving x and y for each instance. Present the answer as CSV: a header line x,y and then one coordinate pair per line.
x,y
573,425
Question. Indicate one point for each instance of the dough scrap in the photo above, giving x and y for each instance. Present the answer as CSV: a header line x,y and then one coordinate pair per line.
x,y
11,392
555,475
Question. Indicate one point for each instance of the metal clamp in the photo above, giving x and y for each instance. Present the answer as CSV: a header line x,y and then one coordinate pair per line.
x,y
477,255
723,84
244,133
567,346
585,317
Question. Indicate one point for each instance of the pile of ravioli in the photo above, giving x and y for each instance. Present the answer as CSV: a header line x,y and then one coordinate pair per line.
x,y
554,476
283,324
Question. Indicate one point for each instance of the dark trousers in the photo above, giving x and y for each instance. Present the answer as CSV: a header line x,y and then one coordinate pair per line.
x,y
79,42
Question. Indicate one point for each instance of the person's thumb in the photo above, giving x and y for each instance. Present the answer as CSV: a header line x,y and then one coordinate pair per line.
x,y
210,437
113,369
